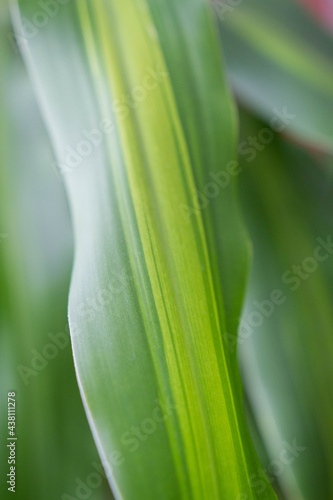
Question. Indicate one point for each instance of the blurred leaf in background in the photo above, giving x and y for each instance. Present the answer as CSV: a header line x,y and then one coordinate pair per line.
x,y
286,344
54,444
280,62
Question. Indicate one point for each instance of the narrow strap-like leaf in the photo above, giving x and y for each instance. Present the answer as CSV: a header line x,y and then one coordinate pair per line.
x,y
135,99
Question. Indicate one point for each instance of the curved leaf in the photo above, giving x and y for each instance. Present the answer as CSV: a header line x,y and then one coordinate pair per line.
x,y
286,346
53,438
278,58
135,99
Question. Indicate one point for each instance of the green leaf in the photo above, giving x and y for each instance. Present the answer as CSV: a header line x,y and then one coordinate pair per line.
x,y
286,346
136,103
278,58
54,444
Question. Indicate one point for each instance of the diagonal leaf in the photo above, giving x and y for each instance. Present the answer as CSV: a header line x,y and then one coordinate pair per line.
x,y
278,58
286,347
142,121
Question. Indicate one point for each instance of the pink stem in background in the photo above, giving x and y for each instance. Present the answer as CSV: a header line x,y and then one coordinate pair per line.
x,y
322,9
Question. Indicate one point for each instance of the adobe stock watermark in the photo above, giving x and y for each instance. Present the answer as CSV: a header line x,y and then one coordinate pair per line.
x,y
131,440
223,7
248,149
93,306
260,480
94,138
292,279
48,9
74,156
86,313
40,359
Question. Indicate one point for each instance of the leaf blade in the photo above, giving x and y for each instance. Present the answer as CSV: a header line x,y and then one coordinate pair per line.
x,y
125,200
